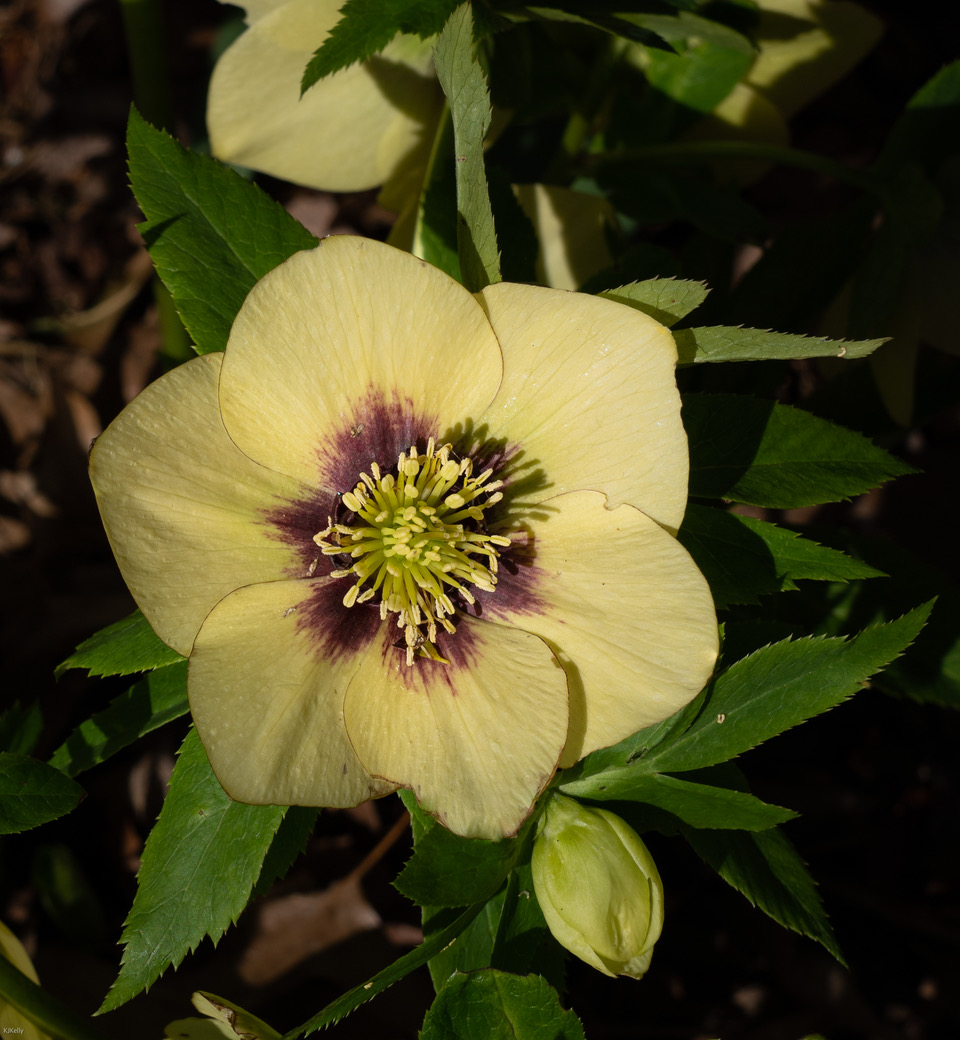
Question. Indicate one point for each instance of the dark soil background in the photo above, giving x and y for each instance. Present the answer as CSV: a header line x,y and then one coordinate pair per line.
x,y
876,780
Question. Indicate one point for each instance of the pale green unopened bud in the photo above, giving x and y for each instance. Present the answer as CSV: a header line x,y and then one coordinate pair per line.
x,y
598,887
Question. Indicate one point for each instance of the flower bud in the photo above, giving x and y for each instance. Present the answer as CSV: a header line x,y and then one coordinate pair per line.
x,y
598,887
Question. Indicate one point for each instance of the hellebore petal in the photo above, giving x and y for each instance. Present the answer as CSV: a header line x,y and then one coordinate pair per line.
x,y
333,338
598,887
589,390
383,528
624,607
167,475
333,137
477,738
266,684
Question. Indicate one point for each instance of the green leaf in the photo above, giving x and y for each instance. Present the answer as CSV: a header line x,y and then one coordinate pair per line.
x,y
766,454
744,559
352,999
154,701
288,843
367,26
446,870
667,300
491,1005
765,867
928,129
211,234
435,231
727,343
199,866
699,805
465,86
123,648
20,728
474,947
780,686
32,793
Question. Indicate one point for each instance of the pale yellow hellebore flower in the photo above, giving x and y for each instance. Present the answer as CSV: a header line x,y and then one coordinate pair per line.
x,y
360,128
413,537
14,1022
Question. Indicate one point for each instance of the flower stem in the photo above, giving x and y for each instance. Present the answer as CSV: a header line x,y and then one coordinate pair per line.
x,y
42,1008
698,151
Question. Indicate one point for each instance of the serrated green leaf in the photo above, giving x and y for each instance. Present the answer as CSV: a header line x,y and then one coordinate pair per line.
x,y
156,700
699,805
928,129
211,234
726,343
32,793
288,843
123,648
20,728
446,870
367,26
767,454
352,999
199,866
465,86
779,687
765,867
667,300
492,1005
743,558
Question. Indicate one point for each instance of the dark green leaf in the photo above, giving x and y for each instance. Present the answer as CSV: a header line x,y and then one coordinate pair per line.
x,y
446,870
780,686
211,234
726,343
767,454
491,1005
154,701
435,231
123,648
699,805
744,559
665,299
400,968
928,130
289,841
765,867
32,793
473,949
20,728
199,866
367,26
465,86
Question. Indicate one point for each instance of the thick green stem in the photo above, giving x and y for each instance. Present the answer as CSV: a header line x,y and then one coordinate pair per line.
x,y
699,151
42,1008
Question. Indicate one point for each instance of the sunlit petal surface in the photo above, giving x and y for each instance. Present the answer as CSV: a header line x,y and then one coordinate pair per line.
x,y
476,739
185,511
590,393
267,680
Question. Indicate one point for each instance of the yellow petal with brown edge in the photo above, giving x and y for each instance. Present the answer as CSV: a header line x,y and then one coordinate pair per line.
x,y
330,137
266,683
349,353
589,394
622,604
186,513
476,739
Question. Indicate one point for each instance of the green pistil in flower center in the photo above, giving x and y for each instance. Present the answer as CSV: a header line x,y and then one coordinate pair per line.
x,y
417,536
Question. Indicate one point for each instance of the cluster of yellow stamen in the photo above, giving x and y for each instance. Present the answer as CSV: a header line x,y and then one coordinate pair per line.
x,y
417,535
